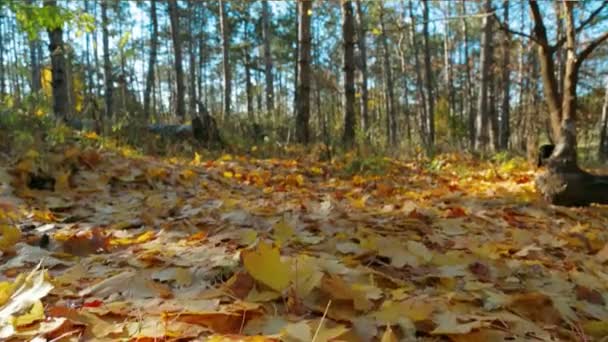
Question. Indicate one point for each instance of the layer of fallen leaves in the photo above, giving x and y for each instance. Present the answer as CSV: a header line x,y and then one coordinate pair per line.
x,y
100,245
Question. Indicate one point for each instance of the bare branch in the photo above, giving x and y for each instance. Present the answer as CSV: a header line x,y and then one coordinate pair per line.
x,y
580,58
583,24
505,28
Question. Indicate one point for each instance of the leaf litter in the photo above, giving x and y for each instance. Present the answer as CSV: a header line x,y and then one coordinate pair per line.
x,y
107,246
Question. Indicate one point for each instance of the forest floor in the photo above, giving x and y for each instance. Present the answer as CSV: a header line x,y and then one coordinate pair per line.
x,y
104,244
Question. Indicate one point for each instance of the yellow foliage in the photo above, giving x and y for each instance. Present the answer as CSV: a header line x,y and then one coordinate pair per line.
x,y
264,265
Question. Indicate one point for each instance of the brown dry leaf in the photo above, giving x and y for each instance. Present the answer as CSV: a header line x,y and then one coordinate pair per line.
x,y
536,307
88,242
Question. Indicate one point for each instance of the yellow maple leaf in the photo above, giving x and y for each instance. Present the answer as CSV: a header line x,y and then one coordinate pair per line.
x,y
9,236
264,265
389,335
6,290
307,274
36,313
197,158
62,181
283,231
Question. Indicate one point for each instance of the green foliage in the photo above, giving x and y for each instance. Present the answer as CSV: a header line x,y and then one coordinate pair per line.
x,y
372,165
21,131
33,19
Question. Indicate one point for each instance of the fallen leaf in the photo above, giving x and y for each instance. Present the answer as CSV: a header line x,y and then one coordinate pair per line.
x,y
265,265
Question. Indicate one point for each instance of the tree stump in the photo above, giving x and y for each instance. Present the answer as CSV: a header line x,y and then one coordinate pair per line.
x,y
564,183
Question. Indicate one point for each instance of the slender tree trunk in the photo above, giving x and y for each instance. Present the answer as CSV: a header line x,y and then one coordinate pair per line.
x,y
483,115
506,83
348,38
559,55
107,66
89,68
192,63
180,109
248,84
361,32
303,97
603,127
468,83
59,82
391,120
428,77
419,80
266,18
296,70
151,60
2,69
226,60
403,42
448,77
34,61
98,66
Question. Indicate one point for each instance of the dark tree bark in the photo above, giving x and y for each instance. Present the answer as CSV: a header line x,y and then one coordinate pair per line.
x,y
482,120
363,74
59,82
107,66
2,70
348,37
505,131
180,108
266,18
419,79
192,62
89,67
226,60
248,67
428,77
303,89
603,147
563,182
469,107
151,60
403,46
391,119
34,61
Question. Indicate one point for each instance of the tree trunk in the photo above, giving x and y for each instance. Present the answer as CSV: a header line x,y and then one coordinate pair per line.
x,y
266,17
603,148
468,83
152,59
89,69
180,109
563,182
348,37
506,83
361,32
58,82
482,118
428,78
192,63
34,61
107,66
419,81
296,69
448,74
226,60
303,89
248,84
403,44
2,70
391,120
